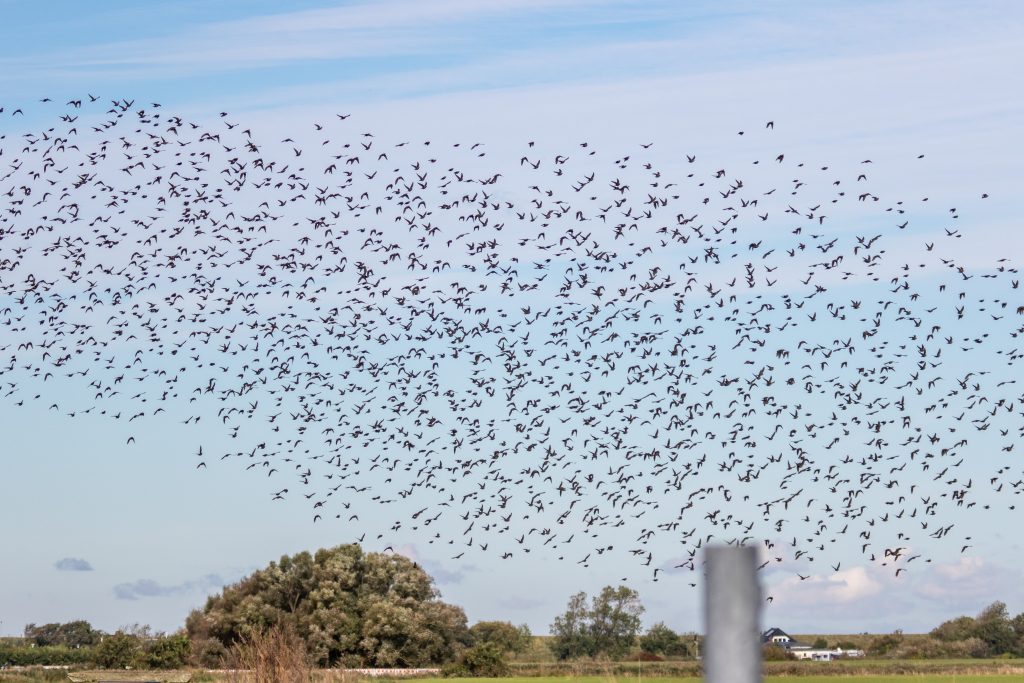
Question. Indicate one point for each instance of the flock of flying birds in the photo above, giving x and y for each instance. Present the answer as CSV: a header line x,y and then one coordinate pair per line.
x,y
567,352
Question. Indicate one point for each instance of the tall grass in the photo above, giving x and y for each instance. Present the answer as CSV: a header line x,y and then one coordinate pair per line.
x,y
276,655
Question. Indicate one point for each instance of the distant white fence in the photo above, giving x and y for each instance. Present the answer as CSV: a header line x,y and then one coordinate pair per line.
x,y
390,673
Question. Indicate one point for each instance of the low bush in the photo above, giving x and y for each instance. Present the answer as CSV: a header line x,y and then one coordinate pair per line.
x,y
485,661
645,656
51,655
774,653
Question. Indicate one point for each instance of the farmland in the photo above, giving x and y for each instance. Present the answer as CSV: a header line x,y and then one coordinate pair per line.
x,y
850,671
947,672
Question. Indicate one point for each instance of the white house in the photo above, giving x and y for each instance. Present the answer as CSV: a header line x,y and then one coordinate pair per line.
x,y
776,636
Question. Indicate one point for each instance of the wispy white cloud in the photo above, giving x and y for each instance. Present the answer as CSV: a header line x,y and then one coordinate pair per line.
x,y
364,30
148,588
466,33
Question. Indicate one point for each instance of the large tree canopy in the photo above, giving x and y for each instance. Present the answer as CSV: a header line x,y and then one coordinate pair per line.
x,y
350,608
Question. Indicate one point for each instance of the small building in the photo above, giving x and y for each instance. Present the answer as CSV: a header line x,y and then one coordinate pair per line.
x,y
778,637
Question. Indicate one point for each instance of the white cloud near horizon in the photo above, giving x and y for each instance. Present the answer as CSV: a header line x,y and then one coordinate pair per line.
x,y
841,588
969,583
964,586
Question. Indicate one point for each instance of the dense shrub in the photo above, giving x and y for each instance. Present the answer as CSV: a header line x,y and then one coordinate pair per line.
x,y
645,656
485,661
960,628
775,653
883,645
991,633
166,652
502,635
21,655
660,639
119,651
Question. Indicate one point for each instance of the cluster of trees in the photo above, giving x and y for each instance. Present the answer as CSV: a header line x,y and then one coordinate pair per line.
x,y
350,608
608,626
346,608
992,628
73,634
138,648
992,633
661,640
77,643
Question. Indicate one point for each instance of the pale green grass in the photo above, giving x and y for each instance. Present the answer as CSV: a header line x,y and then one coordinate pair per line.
x,y
906,678
917,677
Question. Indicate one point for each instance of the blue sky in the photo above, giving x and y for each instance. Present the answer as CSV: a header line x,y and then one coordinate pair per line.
x,y
117,535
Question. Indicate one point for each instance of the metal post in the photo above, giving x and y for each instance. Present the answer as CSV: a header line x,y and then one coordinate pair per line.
x,y
732,615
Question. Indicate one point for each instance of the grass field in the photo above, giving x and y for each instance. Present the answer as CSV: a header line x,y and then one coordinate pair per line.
x,y
919,677
905,678
845,671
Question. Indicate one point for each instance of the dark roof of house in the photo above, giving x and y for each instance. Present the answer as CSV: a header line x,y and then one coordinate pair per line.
x,y
789,644
772,632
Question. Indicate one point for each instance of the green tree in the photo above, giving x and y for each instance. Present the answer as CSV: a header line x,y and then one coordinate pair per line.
x,y
166,651
485,660
71,634
993,627
883,645
501,634
609,627
960,628
571,636
615,620
118,651
347,606
660,639
1017,624
820,644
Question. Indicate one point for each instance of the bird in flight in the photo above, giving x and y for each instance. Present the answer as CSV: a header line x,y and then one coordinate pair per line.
x,y
584,352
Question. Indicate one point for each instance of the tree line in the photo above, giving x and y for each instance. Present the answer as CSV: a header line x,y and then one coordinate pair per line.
x,y
608,626
77,643
992,633
349,608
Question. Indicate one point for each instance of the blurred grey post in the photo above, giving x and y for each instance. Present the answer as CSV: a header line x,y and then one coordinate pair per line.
x,y
732,616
